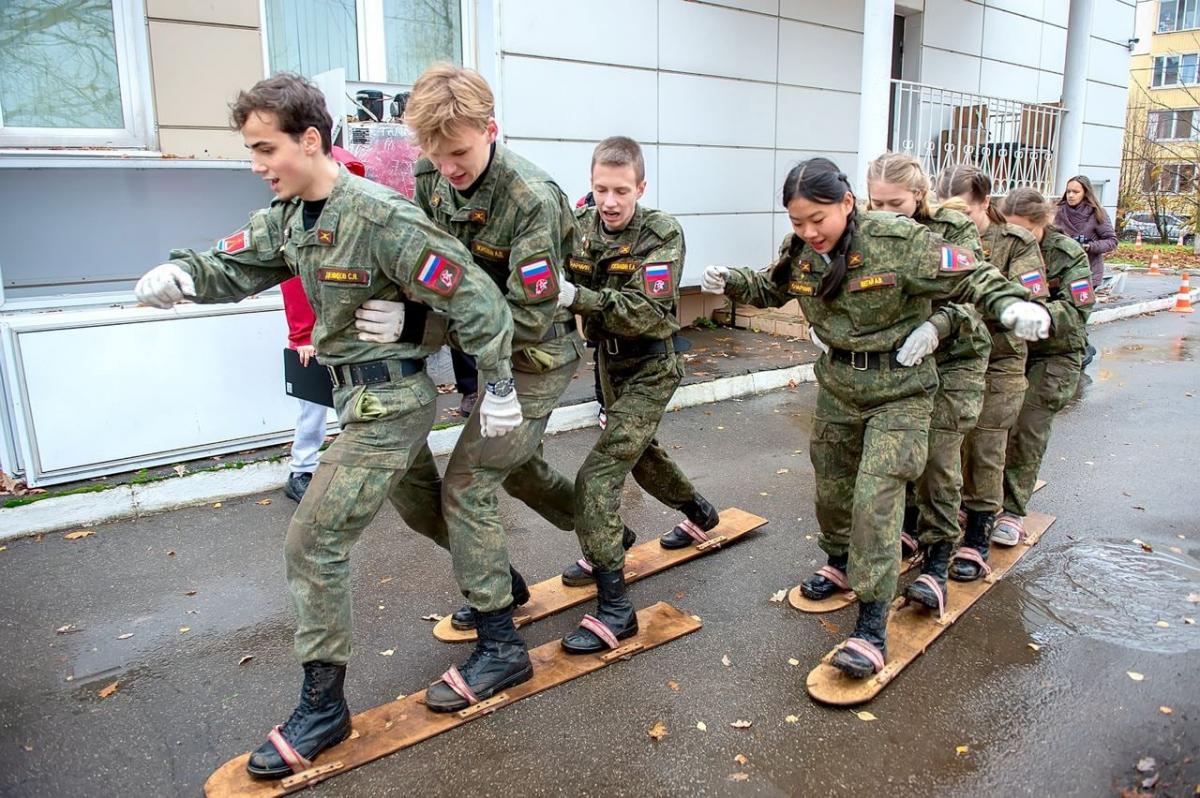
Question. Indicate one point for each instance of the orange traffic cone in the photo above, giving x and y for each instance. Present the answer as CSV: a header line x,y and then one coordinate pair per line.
x,y
1154,265
1183,304
1138,243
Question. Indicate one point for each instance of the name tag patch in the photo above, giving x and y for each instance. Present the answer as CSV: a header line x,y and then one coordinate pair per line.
x,y
623,267
872,281
1035,282
1081,291
232,245
580,265
658,279
538,278
801,289
956,259
489,252
344,276
439,274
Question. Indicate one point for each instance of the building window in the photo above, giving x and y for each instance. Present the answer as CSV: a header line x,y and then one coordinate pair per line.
x,y
1174,70
1176,15
1180,124
375,41
1169,178
73,74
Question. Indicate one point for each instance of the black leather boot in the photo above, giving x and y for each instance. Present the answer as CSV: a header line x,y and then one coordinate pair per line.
x,y
908,532
930,587
500,660
865,651
320,721
615,617
463,618
701,515
824,583
579,573
970,561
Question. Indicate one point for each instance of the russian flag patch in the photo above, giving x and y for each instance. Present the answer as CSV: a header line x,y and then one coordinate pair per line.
x,y
1034,282
658,279
537,278
1081,291
956,259
232,245
439,274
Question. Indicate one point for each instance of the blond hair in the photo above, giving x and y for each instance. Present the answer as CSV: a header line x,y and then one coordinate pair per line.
x,y
899,169
444,100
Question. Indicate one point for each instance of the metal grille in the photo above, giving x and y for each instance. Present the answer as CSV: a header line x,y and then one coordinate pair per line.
x,y
1015,143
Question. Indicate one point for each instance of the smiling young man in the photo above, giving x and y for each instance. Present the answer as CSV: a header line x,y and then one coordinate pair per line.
x,y
350,241
624,275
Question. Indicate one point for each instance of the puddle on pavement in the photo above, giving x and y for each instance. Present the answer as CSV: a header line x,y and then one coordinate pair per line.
x,y
1116,592
1174,349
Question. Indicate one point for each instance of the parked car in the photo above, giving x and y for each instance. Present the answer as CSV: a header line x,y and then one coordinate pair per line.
x,y
1143,222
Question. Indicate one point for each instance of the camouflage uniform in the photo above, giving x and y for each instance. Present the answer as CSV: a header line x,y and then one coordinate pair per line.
x,y
961,357
368,243
628,294
1053,367
871,426
1014,251
519,229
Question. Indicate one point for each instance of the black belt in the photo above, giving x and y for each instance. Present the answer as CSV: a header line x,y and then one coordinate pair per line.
x,y
861,361
373,372
558,329
630,347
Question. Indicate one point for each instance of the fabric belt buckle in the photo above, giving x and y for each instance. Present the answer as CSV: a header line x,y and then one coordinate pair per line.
x,y
854,361
612,346
334,377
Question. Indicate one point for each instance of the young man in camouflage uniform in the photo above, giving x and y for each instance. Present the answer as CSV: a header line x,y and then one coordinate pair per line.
x,y
625,274
349,240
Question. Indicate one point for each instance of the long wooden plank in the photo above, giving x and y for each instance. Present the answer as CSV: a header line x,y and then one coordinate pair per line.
x,y
400,724
845,598
913,628
643,560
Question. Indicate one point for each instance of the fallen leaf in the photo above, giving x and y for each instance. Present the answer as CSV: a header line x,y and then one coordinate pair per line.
x,y
1162,625
216,505
263,503
737,776
1194,598
962,750
1149,782
674,685
386,579
1146,764
720,428
779,595
171,553
791,719
782,471
63,630
741,759
189,592
742,724
1166,710
179,470
1190,621
725,660
433,616
79,534
401,697
245,659
862,714
793,661
829,626
27,748
657,731
763,493
701,725
389,652
1174,549
125,636
1139,507
3,548
184,630
679,596
1137,677
109,690
1034,646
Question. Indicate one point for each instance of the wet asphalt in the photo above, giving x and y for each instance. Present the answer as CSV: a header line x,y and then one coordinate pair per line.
x,y
981,713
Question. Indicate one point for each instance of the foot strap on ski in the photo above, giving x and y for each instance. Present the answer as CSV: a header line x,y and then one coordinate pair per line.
x,y
694,532
455,681
972,555
287,753
597,627
1013,523
909,541
835,575
933,585
584,565
869,651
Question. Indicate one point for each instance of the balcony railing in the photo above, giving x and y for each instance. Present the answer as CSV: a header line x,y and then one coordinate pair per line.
x,y
1015,143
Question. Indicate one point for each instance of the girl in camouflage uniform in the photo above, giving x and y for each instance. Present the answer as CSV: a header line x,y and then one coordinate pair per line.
x,y
865,281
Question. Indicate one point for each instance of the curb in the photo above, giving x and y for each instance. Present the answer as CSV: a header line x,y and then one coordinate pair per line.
x,y
1138,308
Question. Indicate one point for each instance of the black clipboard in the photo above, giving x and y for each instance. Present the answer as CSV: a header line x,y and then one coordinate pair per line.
x,y
311,383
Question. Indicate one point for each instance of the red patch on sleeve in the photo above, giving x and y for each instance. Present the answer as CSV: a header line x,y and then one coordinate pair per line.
x,y
658,279
238,242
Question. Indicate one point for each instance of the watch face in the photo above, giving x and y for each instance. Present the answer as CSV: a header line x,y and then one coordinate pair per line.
x,y
501,387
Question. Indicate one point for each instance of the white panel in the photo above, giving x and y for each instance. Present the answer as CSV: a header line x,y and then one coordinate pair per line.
x,y
810,55
955,25
1030,8
1108,63
1049,87
952,71
1054,49
834,127
786,159
700,110
1113,20
781,227
569,163
715,179
1107,191
716,41
155,386
530,83
1056,12
733,240
1007,37
614,32
759,6
841,14
1101,145
1009,81
1105,104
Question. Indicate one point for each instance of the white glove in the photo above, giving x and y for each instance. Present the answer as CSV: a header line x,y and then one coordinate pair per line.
x,y
713,281
1029,320
817,342
566,294
499,415
919,343
380,321
163,286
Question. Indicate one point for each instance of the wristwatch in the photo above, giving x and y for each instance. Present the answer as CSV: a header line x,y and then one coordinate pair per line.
x,y
501,388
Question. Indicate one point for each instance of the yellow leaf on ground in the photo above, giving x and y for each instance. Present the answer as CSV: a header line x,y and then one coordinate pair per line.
x,y
1162,625
763,493
782,471
125,636
216,505
1137,677
657,731
184,630
245,659
725,660
388,653
742,724
1166,710
263,503
386,579
741,759
109,690
745,776
179,470
674,685
1190,621
3,548
779,595
793,661
862,714
1034,646
701,725
829,626
79,534
791,719
962,749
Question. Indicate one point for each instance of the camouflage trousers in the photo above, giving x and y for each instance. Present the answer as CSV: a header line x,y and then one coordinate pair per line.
x,y
381,454
984,447
1053,380
956,408
870,437
636,392
480,466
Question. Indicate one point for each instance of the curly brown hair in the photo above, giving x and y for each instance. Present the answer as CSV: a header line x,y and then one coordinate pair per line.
x,y
296,103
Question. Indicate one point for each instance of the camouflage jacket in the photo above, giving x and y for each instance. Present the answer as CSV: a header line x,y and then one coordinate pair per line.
x,y
896,269
369,243
519,228
960,328
1014,251
628,285
1071,295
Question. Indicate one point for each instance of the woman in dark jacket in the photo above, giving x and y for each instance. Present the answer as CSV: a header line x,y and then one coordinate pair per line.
x,y
1080,216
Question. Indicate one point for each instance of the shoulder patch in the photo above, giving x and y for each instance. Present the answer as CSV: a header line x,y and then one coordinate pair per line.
x,y
870,281
238,242
1081,291
658,279
956,259
438,273
1035,281
537,278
